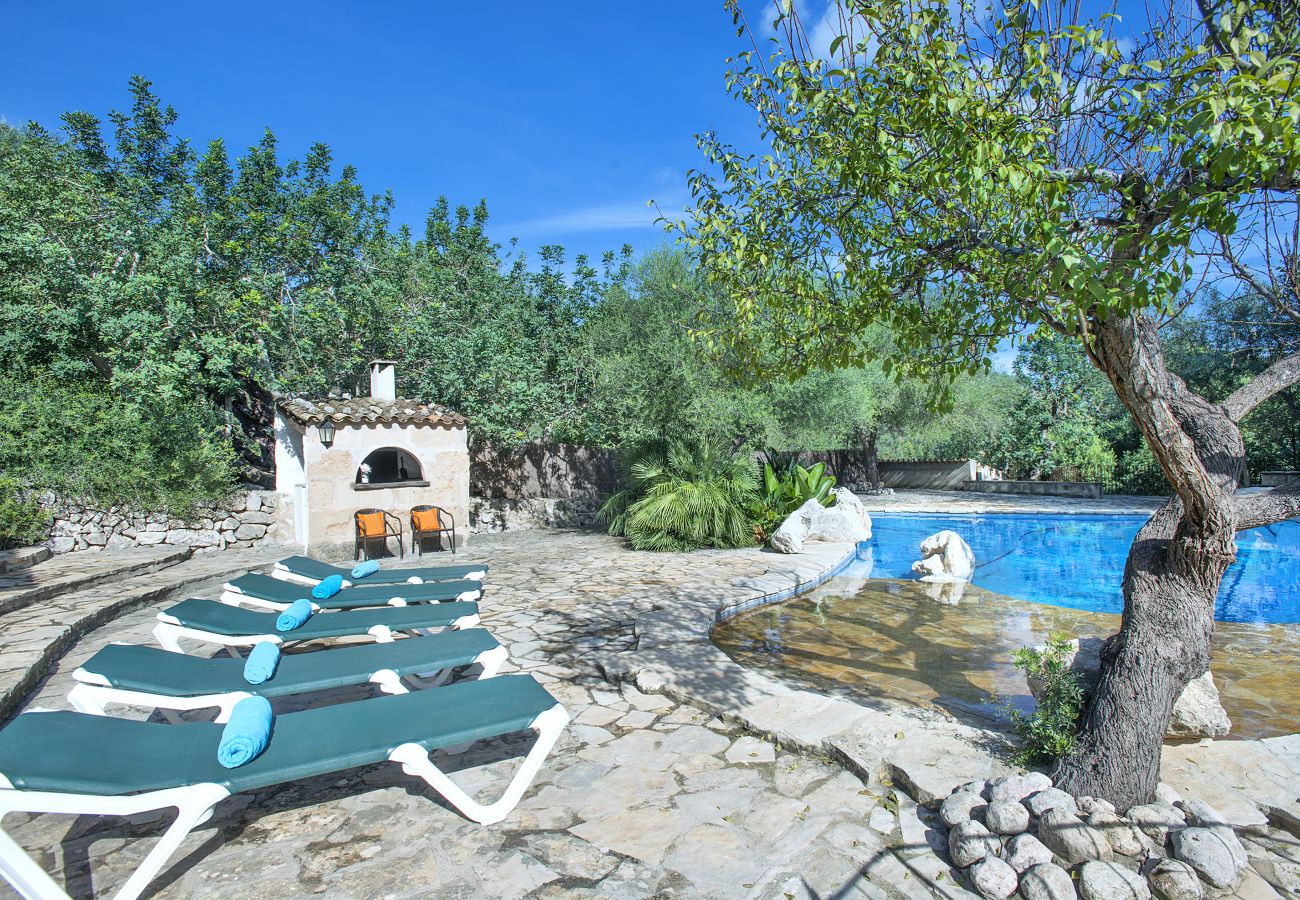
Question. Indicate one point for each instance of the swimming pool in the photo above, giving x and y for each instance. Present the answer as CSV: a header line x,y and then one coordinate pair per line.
x,y
1077,561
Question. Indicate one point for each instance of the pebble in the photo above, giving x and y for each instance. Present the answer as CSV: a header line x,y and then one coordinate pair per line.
x,y
1172,879
1052,798
1072,839
1047,882
1014,788
970,842
1100,880
1210,852
993,878
1024,851
1156,820
1007,818
1124,839
961,806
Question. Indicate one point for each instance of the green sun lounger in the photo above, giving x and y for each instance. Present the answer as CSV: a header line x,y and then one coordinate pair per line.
x,y
149,678
78,764
308,571
232,626
272,593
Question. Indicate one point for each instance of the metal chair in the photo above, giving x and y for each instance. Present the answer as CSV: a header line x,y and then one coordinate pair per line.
x,y
431,521
376,525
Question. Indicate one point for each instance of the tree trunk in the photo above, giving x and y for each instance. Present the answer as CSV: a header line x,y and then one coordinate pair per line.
x,y
870,458
1172,577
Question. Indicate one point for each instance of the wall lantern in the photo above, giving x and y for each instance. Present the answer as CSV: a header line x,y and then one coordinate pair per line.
x,y
326,431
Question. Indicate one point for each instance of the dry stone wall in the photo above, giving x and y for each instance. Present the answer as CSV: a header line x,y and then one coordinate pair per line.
x,y
489,514
243,520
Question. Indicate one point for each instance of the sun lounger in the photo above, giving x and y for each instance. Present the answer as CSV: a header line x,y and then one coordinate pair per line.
x,y
272,593
308,571
78,764
149,678
232,626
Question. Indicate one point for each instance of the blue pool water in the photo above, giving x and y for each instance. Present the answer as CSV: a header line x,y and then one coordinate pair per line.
x,y
1078,561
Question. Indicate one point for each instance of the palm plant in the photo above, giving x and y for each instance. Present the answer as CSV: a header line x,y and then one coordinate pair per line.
x,y
683,497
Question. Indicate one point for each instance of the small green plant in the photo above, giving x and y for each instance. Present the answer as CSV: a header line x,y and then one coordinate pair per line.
x,y
1049,732
22,521
786,489
682,497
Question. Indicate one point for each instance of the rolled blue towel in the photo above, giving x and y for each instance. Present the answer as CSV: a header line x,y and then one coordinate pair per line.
x,y
361,570
246,734
294,615
261,662
328,587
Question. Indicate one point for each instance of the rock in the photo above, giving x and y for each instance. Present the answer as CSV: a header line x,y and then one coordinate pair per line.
x,y
961,806
970,842
849,505
1014,788
1025,851
993,878
96,539
188,538
147,538
1198,812
790,534
1125,839
257,518
1156,820
1052,798
1006,818
1089,805
1211,853
1171,879
837,523
945,557
1166,794
1110,881
252,502
1072,839
1046,882
62,544
229,523
1197,711
247,532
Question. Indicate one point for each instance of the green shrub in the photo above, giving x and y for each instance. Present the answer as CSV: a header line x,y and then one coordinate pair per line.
x,y
92,445
1049,732
682,497
22,521
784,490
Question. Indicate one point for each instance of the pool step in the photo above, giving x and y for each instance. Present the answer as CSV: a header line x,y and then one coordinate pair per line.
x,y
71,572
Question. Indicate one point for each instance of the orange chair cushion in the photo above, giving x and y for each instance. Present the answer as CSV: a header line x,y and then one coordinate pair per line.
x,y
427,520
371,524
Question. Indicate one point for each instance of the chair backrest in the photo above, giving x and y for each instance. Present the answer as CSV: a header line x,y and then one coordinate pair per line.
x,y
426,518
370,522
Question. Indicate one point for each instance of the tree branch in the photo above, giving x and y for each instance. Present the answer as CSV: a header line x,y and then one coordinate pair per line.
x,y
1277,377
1268,507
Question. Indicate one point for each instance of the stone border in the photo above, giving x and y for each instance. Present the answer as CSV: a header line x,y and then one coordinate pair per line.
x,y
926,752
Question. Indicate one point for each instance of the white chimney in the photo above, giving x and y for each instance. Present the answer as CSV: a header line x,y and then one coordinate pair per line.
x,y
383,379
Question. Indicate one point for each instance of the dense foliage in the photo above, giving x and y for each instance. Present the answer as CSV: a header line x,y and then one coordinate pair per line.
x,y
1049,732
786,487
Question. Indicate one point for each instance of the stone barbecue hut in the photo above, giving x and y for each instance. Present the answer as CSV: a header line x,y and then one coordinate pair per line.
x,y
384,452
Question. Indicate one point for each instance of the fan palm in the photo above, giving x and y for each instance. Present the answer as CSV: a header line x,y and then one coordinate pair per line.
x,y
683,497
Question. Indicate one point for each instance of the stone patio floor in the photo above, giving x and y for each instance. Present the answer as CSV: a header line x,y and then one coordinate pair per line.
x,y
642,797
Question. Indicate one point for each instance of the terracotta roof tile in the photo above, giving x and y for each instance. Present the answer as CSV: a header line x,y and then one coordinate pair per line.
x,y
368,411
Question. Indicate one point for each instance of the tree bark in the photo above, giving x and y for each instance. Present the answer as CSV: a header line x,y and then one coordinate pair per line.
x,y
1172,577
870,457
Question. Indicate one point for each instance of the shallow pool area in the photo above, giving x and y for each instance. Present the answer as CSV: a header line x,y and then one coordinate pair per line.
x,y
949,647
1077,561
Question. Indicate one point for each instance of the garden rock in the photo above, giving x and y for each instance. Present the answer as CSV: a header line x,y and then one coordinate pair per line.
x,y
1052,798
1024,851
1089,805
970,842
1156,820
850,508
945,557
1197,711
838,523
1215,854
1014,788
1006,818
1172,879
1110,881
790,534
1124,838
993,878
1047,882
960,807
1072,839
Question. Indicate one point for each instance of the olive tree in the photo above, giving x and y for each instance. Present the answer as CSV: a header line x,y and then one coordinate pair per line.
x,y
963,176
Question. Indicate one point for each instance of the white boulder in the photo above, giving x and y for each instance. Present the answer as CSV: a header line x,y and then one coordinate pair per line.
x,y
846,521
945,557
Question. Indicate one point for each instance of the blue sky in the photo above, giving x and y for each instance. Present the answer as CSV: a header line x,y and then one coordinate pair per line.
x,y
566,117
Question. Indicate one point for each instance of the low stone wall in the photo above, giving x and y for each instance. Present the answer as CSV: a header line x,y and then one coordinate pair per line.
x,y
1087,490
940,475
488,514
241,521
1278,477
543,470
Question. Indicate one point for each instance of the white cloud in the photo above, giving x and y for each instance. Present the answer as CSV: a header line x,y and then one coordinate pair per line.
x,y
609,217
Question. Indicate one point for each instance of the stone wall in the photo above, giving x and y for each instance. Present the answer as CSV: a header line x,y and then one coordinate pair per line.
x,y
241,521
559,471
1086,490
488,514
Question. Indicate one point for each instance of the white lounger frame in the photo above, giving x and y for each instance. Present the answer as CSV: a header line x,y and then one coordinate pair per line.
x,y
93,693
284,574
169,632
233,596
194,805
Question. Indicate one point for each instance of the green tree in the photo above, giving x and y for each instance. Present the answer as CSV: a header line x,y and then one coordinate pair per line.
x,y
960,180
